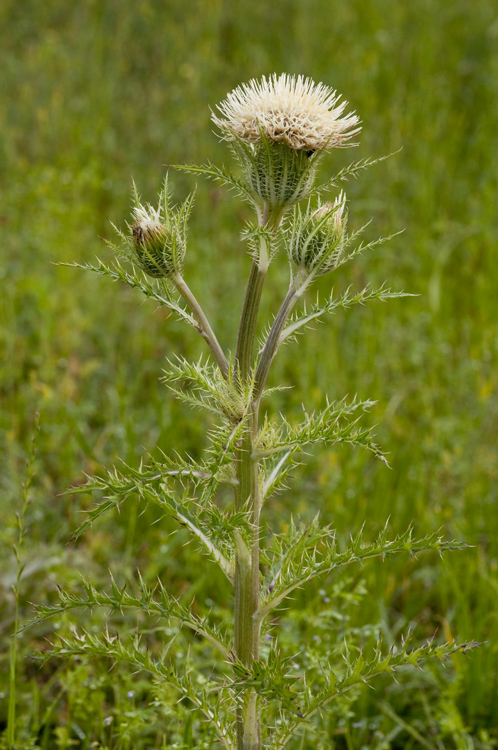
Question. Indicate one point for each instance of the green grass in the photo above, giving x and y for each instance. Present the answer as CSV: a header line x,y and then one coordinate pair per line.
x,y
93,93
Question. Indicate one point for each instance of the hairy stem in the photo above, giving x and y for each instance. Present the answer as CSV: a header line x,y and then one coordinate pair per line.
x,y
296,289
249,317
204,327
248,497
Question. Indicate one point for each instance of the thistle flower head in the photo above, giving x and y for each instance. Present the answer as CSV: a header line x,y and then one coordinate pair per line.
x,y
284,109
279,128
151,242
158,236
317,241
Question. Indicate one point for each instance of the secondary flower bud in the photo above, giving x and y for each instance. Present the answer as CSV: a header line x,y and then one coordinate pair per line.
x,y
158,236
151,243
317,241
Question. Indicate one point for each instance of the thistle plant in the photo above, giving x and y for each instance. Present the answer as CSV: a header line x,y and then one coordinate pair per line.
x,y
278,130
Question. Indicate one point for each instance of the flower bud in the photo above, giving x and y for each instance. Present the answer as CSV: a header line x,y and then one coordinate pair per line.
x,y
158,236
151,243
317,241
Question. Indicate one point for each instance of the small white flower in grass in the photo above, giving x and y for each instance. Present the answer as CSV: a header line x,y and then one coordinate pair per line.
x,y
295,111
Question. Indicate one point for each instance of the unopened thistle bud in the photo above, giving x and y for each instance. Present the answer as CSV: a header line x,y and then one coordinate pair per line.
x,y
279,128
158,236
151,240
317,241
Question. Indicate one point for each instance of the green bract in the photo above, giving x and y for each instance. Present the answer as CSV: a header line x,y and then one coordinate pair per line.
x,y
317,241
152,247
277,175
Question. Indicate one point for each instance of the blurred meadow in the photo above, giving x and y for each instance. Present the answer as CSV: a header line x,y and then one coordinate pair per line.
x,y
94,93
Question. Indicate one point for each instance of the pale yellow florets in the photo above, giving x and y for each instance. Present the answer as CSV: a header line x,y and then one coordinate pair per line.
x,y
290,110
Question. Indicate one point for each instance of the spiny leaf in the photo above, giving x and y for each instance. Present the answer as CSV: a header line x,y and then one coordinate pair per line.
x,y
220,174
352,171
360,671
344,302
92,515
152,601
117,485
271,679
363,246
329,426
297,564
106,645
156,290
209,390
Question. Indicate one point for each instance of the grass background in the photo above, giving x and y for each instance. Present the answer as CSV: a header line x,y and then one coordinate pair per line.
x,y
93,93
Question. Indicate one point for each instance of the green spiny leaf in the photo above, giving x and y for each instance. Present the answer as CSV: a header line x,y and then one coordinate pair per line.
x,y
310,561
360,671
344,302
152,289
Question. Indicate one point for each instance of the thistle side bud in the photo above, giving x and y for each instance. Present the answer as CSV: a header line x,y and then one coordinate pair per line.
x,y
151,244
317,242
158,236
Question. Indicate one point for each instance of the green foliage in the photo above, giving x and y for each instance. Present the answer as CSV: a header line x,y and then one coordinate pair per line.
x,y
330,426
301,555
303,320
137,279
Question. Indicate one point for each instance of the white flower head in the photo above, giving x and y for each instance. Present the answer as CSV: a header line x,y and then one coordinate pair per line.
x,y
285,109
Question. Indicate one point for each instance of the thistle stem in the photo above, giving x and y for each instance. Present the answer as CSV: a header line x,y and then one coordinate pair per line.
x,y
248,497
249,493
296,289
247,628
203,325
248,320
